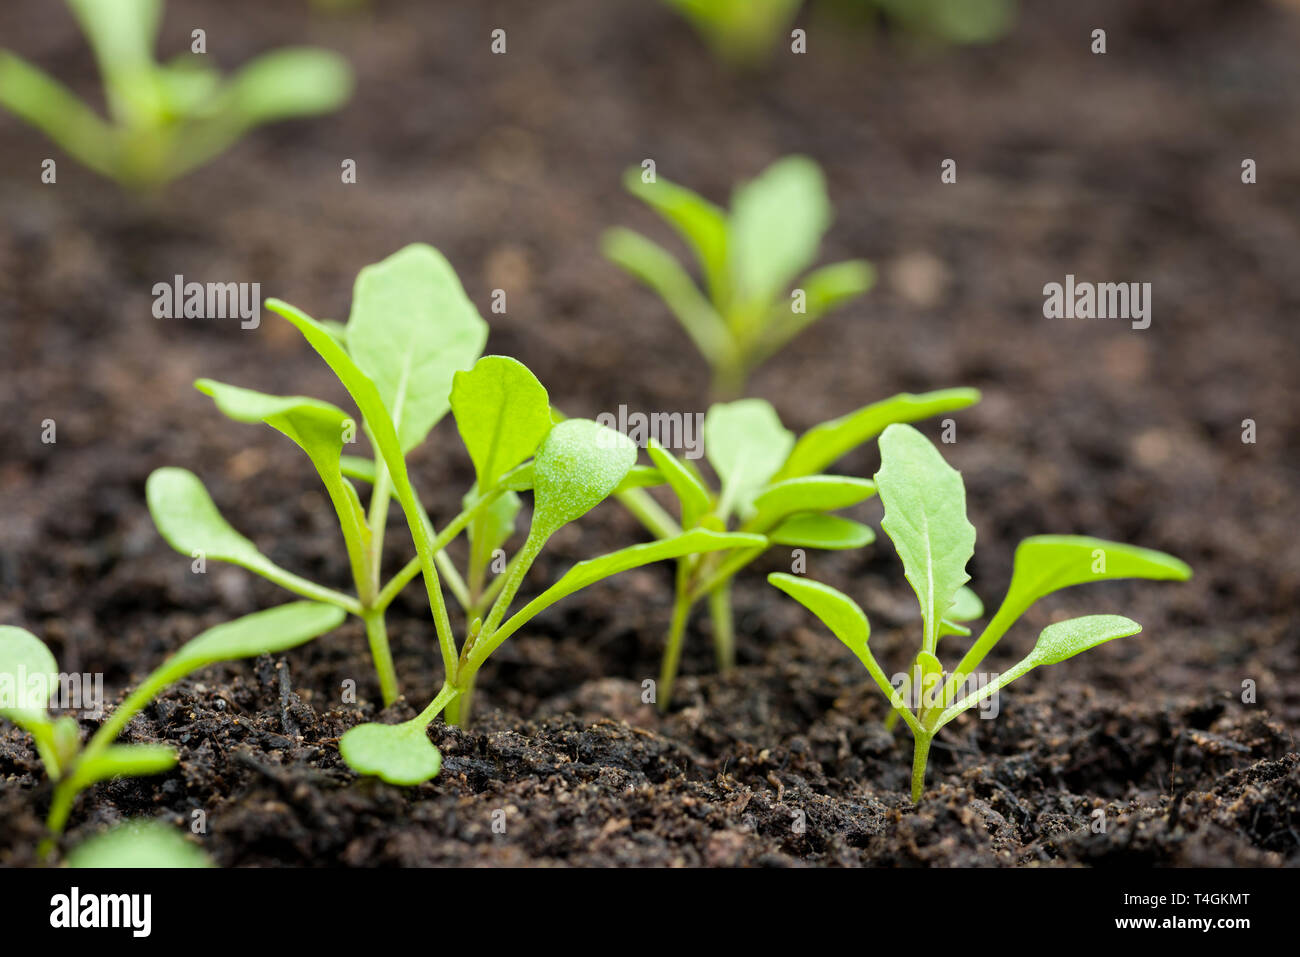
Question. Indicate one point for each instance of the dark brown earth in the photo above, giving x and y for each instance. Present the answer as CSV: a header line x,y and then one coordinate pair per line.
x,y
1122,167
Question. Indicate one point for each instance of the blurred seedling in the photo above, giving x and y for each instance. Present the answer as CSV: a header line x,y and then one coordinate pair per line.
x,y
165,119
30,676
772,486
749,258
925,517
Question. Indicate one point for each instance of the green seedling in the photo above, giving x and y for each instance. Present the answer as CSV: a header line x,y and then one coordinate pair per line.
x,y
165,118
741,33
29,675
749,259
925,517
772,486
951,21
138,844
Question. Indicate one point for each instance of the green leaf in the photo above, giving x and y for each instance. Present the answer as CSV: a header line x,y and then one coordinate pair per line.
x,y
188,520
412,328
777,223
495,525
503,414
657,268
814,530
824,289
745,443
56,111
1065,639
925,516
400,754
640,476
1056,642
316,426
266,632
138,844
1048,563
289,82
686,485
965,607
699,222
928,676
823,444
837,611
28,673
578,465
358,467
694,542
813,493
122,761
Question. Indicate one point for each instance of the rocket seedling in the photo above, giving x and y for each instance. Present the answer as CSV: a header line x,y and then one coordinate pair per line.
x,y
165,118
749,258
925,517
772,486
29,675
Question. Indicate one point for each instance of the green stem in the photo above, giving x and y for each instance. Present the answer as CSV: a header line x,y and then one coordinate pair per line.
x,y
676,634
920,754
377,636
445,697
649,513
724,632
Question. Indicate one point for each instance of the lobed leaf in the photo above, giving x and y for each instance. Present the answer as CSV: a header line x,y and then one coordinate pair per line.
x,y
925,516
412,328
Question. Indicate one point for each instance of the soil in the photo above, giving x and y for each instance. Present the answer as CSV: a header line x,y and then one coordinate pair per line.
x,y
1122,167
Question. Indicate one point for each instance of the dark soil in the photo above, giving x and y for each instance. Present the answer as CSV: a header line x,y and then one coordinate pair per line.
x,y
1122,167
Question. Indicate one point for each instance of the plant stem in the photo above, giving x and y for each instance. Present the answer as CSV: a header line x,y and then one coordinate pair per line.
x,y
920,755
377,635
649,513
724,633
673,648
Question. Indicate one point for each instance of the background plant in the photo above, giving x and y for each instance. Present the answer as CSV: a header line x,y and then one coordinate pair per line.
x,y
773,487
749,258
33,674
164,118
925,517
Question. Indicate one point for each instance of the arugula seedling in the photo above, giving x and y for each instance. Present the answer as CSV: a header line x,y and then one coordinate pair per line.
x,y
749,259
411,329
925,516
165,118
29,669
741,33
772,486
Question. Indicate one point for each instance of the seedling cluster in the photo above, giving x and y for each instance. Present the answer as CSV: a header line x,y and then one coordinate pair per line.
x,y
411,352
165,118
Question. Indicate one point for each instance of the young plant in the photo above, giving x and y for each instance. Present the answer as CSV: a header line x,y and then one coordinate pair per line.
x,y
411,329
749,258
30,673
773,487
741,33
165,118
925,516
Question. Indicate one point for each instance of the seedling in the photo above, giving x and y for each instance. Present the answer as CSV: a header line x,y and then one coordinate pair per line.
x,y
749,258
741,33
30,673
925,516
165,118
772,486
